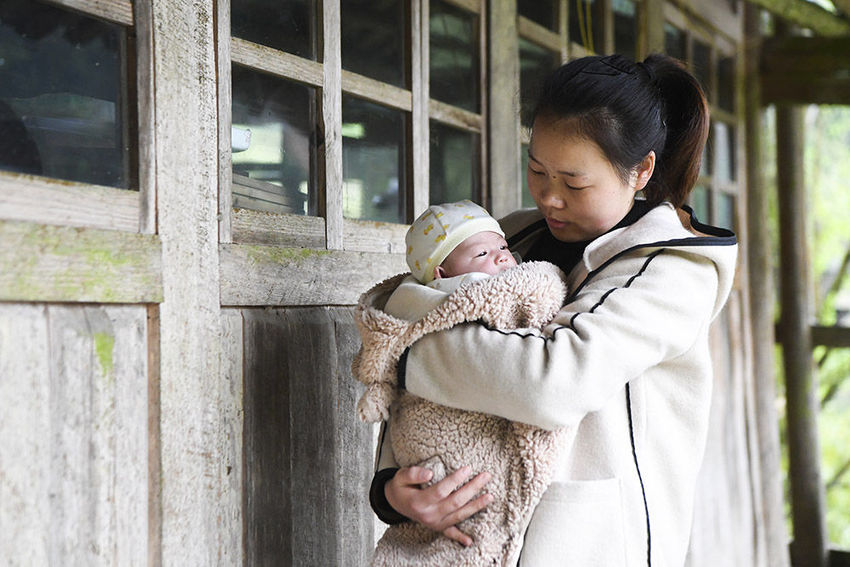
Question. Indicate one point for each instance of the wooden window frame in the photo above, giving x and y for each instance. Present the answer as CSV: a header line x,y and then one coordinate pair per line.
x,y
46,200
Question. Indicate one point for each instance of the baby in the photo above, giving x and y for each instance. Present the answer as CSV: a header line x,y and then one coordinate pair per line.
x,y
461,272
447,246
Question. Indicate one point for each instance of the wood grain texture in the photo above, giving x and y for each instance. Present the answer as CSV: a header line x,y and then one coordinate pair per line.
x,y
39,199
267,275
55,263
74,398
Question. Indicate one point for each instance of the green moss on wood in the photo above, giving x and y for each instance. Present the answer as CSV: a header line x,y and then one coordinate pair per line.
x,y
104,344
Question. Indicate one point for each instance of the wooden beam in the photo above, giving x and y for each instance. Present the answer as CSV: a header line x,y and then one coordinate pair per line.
x,y
837,337
805,70
807,15
807,491
57,263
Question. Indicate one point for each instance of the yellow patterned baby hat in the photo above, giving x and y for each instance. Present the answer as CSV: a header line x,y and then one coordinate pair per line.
x,y
439,230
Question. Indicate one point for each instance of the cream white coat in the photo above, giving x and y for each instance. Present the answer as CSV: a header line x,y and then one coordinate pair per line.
x,y
626,362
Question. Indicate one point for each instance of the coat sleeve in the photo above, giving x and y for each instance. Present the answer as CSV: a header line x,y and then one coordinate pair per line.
x,y
650,309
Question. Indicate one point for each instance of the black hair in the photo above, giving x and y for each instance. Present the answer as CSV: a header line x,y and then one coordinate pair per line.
x,y
629,109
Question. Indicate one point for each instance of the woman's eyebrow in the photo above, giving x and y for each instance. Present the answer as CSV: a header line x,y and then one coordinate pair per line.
x,y
567,173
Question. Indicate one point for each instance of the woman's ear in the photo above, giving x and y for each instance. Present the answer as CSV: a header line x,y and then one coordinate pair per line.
x,y
644,170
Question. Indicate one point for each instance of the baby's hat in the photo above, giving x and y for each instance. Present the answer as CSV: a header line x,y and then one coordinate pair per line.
x,y
439,230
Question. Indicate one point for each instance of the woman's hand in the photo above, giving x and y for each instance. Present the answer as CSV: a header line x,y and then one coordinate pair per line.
x,y
442,505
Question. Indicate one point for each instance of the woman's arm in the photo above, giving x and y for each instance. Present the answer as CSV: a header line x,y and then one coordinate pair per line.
x,y
647,310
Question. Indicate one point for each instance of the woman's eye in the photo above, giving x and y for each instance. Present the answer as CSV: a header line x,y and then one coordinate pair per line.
x,y
534,171
572,188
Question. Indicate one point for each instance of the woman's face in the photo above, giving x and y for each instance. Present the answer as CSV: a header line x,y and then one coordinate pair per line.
x,y
574,185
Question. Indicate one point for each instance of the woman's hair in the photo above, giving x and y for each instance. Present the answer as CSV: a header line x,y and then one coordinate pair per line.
x,y
629,109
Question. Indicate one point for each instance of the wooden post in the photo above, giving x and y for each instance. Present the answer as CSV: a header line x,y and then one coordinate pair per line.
x,y
772,514
503,57
807,491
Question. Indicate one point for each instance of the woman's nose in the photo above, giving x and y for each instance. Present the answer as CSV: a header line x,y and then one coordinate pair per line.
x,y
550,196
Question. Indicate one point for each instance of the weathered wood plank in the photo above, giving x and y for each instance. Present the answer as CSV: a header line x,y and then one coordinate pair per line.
x,y
266,275
225,123
190,324
275,62
25,503
837,337
419,151
39,199
376,91
454,116
145,95
807,15
73,389
504,129
308,461
230,391
805,70
54,263
117,11
331,126
540,35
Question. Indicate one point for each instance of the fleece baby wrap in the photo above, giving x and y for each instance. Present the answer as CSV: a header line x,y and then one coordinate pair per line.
x,y
520,457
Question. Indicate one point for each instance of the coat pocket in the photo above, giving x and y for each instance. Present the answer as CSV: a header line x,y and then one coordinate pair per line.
x,y
577,523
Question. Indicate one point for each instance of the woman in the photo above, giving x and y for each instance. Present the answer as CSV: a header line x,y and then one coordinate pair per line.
x,y
626,361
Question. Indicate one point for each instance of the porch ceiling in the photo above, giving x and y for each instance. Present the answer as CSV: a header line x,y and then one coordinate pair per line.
x,y
812,16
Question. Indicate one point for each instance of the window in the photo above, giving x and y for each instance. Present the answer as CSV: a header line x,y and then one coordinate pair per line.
x,y
64,98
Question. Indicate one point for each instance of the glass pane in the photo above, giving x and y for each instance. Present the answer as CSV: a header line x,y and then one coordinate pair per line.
x,y
288,26
675,42
373,39
726,83
454,56
527,201
535,63
587,21
724,152
275,173
373,167
701,65
63,106
700,204
625,27
454,161
543,12
726,211
705,161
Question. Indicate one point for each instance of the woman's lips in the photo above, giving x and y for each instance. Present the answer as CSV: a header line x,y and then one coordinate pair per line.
x,y
554,223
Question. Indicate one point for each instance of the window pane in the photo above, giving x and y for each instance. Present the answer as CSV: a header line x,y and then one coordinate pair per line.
x,y
535,63
454,56
543,12
699,203
63,107
701,65
726,83
275,172
675,42
373,161
373,39
454,164
726,211
587,21
625,27
705,161
724,152
288,26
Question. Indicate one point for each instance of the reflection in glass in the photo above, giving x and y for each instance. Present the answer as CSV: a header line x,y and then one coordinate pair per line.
x,y
373,39
726,83
726,211
535,63
587,21
454,160
373,167
675,42
701,65
700,204
275,173
724,152
625,27
454,56
288,26
543,12
63,107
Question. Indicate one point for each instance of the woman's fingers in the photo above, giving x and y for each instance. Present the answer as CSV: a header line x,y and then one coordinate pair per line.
x,y
457,535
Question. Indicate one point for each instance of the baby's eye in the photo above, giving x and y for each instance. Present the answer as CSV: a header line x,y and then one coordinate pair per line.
x,y
503,247
480,254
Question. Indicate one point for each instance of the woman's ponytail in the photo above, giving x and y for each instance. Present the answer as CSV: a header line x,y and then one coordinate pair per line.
x,y
686,117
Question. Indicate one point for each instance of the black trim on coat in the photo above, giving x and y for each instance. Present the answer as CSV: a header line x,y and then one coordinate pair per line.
x,y
640,476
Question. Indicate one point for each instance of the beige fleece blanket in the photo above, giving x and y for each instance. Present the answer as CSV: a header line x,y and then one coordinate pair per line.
x,y
519,457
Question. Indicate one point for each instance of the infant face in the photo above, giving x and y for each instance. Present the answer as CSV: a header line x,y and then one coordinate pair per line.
x,y
485,252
